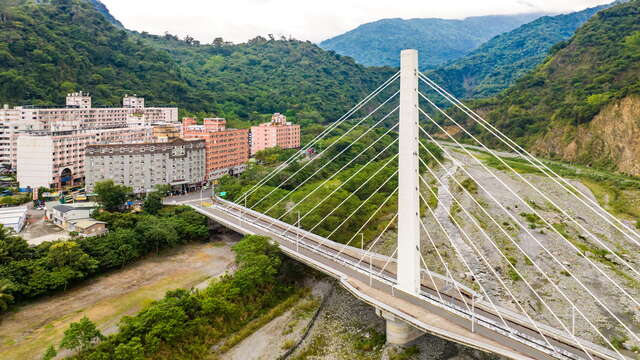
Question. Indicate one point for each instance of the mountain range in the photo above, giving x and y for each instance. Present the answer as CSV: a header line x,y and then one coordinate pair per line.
x,y
498,63
439,40
583,103
575,96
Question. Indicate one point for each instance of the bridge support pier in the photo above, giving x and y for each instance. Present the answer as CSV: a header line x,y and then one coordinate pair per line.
x,y
399,332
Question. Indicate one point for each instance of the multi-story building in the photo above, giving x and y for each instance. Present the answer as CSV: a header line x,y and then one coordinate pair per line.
x,y
142,166
57,159
277,133
227,149
65,132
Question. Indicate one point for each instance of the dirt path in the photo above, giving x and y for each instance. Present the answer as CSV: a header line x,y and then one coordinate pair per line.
x,y
274,339
26,333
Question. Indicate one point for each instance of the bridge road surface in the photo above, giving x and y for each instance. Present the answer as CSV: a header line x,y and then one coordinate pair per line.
x,y
372,279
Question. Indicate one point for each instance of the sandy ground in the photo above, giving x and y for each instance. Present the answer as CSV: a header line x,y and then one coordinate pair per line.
x,y
273,340
28,331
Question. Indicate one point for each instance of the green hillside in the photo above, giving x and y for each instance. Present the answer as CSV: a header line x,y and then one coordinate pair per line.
x,y
498,63
598,66
271,75
439,40
48,49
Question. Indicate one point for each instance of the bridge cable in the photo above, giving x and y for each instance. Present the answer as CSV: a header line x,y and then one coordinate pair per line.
x,y
336,173
527,230
349,196
598,213
475,223
325,164
341,152
502,254
464,261
369,219
444,264
433,281
322,134
527,204
541,166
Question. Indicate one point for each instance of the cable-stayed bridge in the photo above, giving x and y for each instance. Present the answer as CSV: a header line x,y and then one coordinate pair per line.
x,y
404,285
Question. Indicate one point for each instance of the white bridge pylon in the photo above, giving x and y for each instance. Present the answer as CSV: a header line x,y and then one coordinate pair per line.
x,y
408,276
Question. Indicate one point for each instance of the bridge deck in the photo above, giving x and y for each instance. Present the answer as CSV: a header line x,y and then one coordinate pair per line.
x,y
374,282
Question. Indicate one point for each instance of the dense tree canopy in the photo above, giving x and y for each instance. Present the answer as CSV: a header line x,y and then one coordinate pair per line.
x,y
29,272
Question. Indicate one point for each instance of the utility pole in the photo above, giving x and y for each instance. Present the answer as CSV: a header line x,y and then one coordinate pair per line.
x,y
408,196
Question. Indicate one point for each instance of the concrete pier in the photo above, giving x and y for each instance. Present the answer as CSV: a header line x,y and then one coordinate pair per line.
x,y
399,332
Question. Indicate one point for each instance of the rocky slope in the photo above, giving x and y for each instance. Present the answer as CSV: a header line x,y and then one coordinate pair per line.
x,y
585,91
611,140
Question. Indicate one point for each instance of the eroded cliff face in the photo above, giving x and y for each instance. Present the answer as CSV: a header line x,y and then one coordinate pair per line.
x,y
611,140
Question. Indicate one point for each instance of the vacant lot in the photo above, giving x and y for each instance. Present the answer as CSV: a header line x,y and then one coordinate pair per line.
x,y
26,332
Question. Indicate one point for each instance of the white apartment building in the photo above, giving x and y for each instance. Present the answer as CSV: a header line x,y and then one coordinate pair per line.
x,y
55,160
65,132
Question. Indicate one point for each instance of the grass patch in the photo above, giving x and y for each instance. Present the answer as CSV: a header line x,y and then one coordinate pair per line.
x,y
513,275
470,185
372,340
533,219
317,347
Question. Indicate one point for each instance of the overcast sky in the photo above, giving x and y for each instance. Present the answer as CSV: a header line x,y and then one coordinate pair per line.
x,y
240,20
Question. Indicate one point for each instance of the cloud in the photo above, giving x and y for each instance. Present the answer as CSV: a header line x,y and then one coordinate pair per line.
x,y
240,20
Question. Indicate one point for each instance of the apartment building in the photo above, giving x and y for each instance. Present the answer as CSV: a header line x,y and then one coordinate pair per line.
x,y
47,145
227,150
277,133
78,115
142,166
57,159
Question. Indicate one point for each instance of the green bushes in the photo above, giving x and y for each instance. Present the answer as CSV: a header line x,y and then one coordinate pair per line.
x,y
184,325
51,266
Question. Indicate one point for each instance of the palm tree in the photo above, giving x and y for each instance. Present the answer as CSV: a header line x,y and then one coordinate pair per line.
x,y
5,298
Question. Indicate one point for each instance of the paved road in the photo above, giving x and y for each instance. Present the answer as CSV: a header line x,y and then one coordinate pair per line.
x,y
371,277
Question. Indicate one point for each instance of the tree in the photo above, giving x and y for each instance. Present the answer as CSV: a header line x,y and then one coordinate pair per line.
x,y
133,350
50,353
110,195
5,297
12,248
153,202
81,335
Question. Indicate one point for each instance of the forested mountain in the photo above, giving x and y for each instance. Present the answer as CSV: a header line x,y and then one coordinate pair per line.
x,y
49,48
498,63
438,40
583,103
269,75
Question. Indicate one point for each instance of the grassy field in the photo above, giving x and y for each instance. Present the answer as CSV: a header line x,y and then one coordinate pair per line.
x,y
28,331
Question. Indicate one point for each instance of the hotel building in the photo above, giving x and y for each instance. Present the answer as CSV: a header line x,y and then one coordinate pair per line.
x,y
142,166
47,145
277,133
